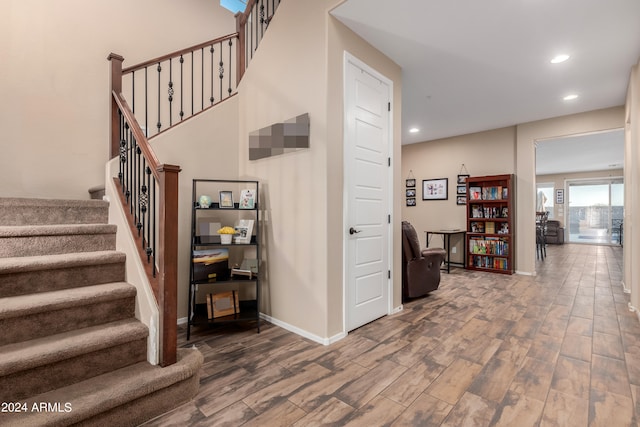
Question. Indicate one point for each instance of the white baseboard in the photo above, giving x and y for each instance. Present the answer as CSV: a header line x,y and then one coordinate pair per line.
x,y
302,332
398,309
182,321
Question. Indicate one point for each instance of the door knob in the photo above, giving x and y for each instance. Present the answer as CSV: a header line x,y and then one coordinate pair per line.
x,y
353,230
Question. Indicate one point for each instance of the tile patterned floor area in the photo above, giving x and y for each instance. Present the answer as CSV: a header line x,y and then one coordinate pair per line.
x,y
557,349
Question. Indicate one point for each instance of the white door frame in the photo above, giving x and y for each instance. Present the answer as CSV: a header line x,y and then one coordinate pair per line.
x,y
349,58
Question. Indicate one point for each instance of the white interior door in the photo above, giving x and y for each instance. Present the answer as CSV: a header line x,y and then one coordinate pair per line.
x,y
367,196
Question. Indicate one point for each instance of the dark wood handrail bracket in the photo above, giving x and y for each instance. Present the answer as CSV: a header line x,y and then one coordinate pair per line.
x,y
178,84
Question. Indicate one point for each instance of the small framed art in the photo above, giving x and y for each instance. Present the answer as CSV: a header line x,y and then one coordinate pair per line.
x,y
410,192
461,200
461,189
226,199
411,182
435,189
411,201
462,179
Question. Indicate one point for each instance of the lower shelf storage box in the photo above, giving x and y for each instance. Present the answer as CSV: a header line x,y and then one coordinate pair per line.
x,y
222,304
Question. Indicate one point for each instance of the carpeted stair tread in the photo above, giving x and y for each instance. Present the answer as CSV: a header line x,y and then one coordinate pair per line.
x,y
58,261
24,211
90,398
56,230
27,240
25,305
43,351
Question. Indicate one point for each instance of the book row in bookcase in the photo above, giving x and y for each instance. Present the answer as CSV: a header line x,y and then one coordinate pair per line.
x,y
490,232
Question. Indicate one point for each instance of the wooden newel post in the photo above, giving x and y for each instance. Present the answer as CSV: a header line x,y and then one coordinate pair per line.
x,y
116,87
168,263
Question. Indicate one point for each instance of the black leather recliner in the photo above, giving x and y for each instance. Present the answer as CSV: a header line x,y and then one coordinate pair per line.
x,y
420,268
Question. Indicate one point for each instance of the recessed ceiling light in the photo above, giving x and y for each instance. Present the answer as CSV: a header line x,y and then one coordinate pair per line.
x,y
414,130
559,58
570,97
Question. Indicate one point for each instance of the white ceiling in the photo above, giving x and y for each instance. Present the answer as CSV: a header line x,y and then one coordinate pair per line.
x,y
470,65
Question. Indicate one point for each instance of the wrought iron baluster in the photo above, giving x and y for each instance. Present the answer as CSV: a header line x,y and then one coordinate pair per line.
x,y
170,91
159,125
221,72
230,65
146,209
130,165
146,104
192,83
202,78
155,220
139,202
212,99
181,87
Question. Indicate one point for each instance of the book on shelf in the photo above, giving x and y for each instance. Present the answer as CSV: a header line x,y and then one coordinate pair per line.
x,y
476,211
477,227
490,227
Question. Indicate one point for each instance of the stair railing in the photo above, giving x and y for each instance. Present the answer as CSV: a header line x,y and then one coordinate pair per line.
x,y
149,193
169,90
251,26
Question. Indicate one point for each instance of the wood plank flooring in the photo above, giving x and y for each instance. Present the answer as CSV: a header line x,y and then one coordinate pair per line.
x,y
558,349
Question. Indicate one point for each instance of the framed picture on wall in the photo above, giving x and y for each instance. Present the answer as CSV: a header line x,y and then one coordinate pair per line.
x,y
461,200
559,196
411,201
411,182
461,189
435,189
410,192
462,179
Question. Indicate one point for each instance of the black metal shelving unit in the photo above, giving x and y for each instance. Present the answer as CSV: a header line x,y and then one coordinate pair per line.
x,y
247,288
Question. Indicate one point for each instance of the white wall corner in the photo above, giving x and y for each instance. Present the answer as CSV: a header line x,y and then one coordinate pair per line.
x,y
302,332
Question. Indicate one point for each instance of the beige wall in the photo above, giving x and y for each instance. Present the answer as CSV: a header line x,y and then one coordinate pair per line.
x,y
632,189
205,149
303,190
559,182
54,111
484,153
507,150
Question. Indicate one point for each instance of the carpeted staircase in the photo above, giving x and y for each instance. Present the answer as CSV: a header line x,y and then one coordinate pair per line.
x,y
71,350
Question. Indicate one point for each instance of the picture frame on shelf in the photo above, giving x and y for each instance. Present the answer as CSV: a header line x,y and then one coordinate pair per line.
x,y
435,189
247,199
411,182
411,201
410,192
222,304
462,179
226,199
461,189
244,229
461,200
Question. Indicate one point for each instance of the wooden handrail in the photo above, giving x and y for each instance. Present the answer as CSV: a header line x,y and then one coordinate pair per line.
x,y
154,61
165,283
165,257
